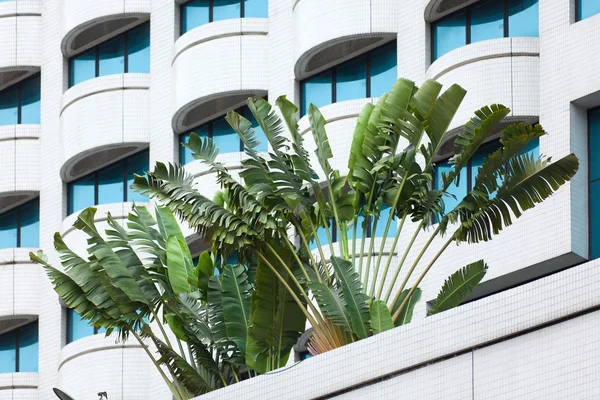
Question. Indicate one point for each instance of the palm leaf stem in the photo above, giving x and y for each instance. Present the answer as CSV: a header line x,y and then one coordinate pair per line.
x,y
387,265
369,256
308,316
362,248
305,243
294,251
160,326
412,268
318,242
401,263
420,278
293,278
337,220
170,384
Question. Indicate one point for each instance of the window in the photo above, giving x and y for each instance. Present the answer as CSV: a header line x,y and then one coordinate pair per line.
x,y
467,175
368,75
127,52
587,8
19,349
19,227
78,327
110,184
594,188
223,135
484,20
200,12
20,103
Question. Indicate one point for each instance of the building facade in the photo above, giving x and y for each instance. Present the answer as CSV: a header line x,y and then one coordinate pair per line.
x,y
94,91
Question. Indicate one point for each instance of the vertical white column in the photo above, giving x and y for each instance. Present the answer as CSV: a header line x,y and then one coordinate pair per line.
x,y
52,199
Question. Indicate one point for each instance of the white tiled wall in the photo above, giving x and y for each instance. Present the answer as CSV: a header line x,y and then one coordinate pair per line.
x,y
551,77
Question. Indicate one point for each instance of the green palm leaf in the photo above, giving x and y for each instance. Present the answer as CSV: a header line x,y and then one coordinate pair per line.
x,y
381,319
236,291
407,312
458,286
354,298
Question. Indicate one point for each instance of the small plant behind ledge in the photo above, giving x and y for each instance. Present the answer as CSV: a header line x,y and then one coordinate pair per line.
x,y
348,288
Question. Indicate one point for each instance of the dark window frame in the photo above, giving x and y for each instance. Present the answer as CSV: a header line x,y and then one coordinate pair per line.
x,y
18,342
367,55
96,49
19,209
467,10
211,4
95,174
19,88
589,183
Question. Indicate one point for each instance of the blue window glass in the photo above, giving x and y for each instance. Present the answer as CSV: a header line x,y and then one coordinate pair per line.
x,y
81,194
112,57
458,189
77,327
109,57
139,49
384,215
19,349
107,185
487,20
351,80
225,137
82,67
30,101
258,132
523,18
28,348
8,229
532,148
137,164
449,34
8,352
587,8
256,8
110,184
193,14
9,106
226,9
30,224
317,90
594,173
384,69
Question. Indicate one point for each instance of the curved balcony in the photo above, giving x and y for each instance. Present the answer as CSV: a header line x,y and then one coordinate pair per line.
x,y
116,368
88,23
323,35
504,71
207,81
18,288
104,119
19,385
340,123
20,149
20,38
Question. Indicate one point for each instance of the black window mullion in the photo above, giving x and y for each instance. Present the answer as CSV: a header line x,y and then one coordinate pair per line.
x,y
211,5
506,18
126,51
368,73
210,130
469,176
242,8
97,51
333,85
19,102
17,349
124,180
19,227
96,184
468,25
